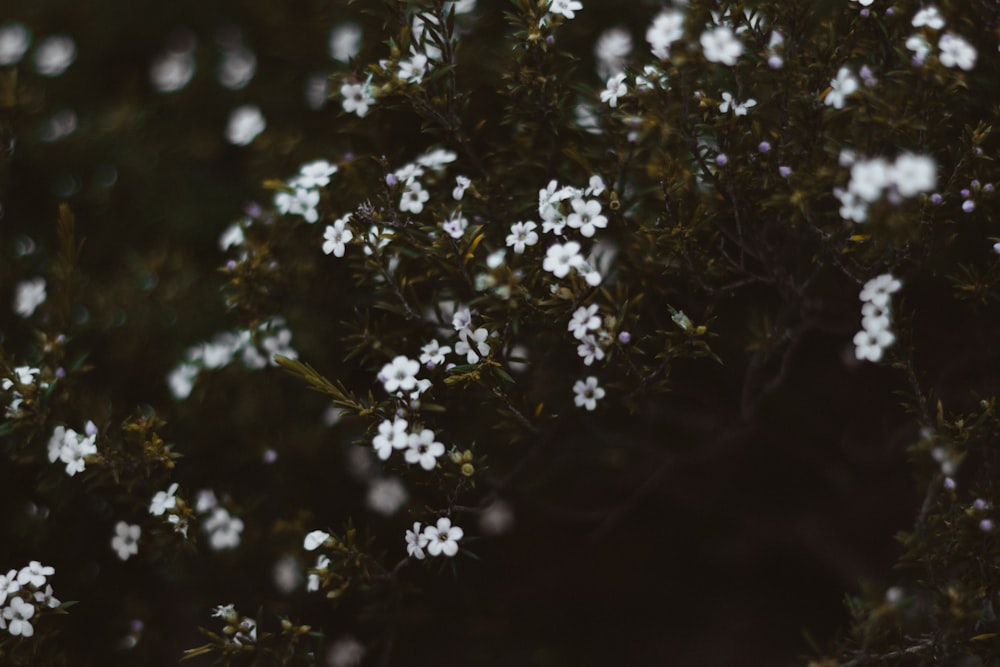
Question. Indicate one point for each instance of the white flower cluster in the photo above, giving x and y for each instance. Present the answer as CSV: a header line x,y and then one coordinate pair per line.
x,y
23,377
72,448
304,196
272,336
239,631
224,530
954,51
565,8
422,448
908,176
165,502
578,209
875,336
440,539
24,592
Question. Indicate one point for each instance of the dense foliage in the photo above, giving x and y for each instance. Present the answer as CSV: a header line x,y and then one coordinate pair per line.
x,y
536,332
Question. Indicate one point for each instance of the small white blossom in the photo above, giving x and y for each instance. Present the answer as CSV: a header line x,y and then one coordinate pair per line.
x,y
386,496
612,48
589,350
956,52
739,109
443,538
8,585
17,615
462,184
416,541
432,354
422,448
561,257
358,98
462,319
413,198
54,55
667,28
870,344
315,539
400,374
245,123
843,85
126,539
522,234
720,45
615,88
588,392
28,296
869,178
920,48
345,41
336,237
391,435
878,289
14,42
315,174
566,8
455,226
34,573
930,17
413,69
163,500
223,529
912,174
584,319
473,344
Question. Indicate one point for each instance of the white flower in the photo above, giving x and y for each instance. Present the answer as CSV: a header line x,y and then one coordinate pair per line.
x,y
455,227
443,538
956,52
17,613
472,342
432,354
878,289
413,198
522,234
739,109
400,374
347,651
587,393
930,17
840,87
205,501
391,435
437,159
34,573
920,48
336,237
416,541
667,28
232,236
14,42
386,495
54,55
870,344
8,585
28,296
302,202
45,597
223,529
462,184
126,539
611,50
423,449
588,349
163,501
237,68
345,41
567,8
561,257
315,539
245,123
615,88
595,186
358,98
913,174
874,318
181,380
869,178
413,69
719,45
315,174
171,71
225,612
462,319
584,319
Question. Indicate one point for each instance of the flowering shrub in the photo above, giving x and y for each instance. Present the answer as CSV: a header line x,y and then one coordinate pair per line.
x,y
520,275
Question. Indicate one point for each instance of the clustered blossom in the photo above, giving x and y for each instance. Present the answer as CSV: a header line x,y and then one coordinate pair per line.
x,y
844,84
582,214
72,448
246,346
303,194
908,176
875,335
739,109
23,377
421,447
437,540
237,631
24,593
